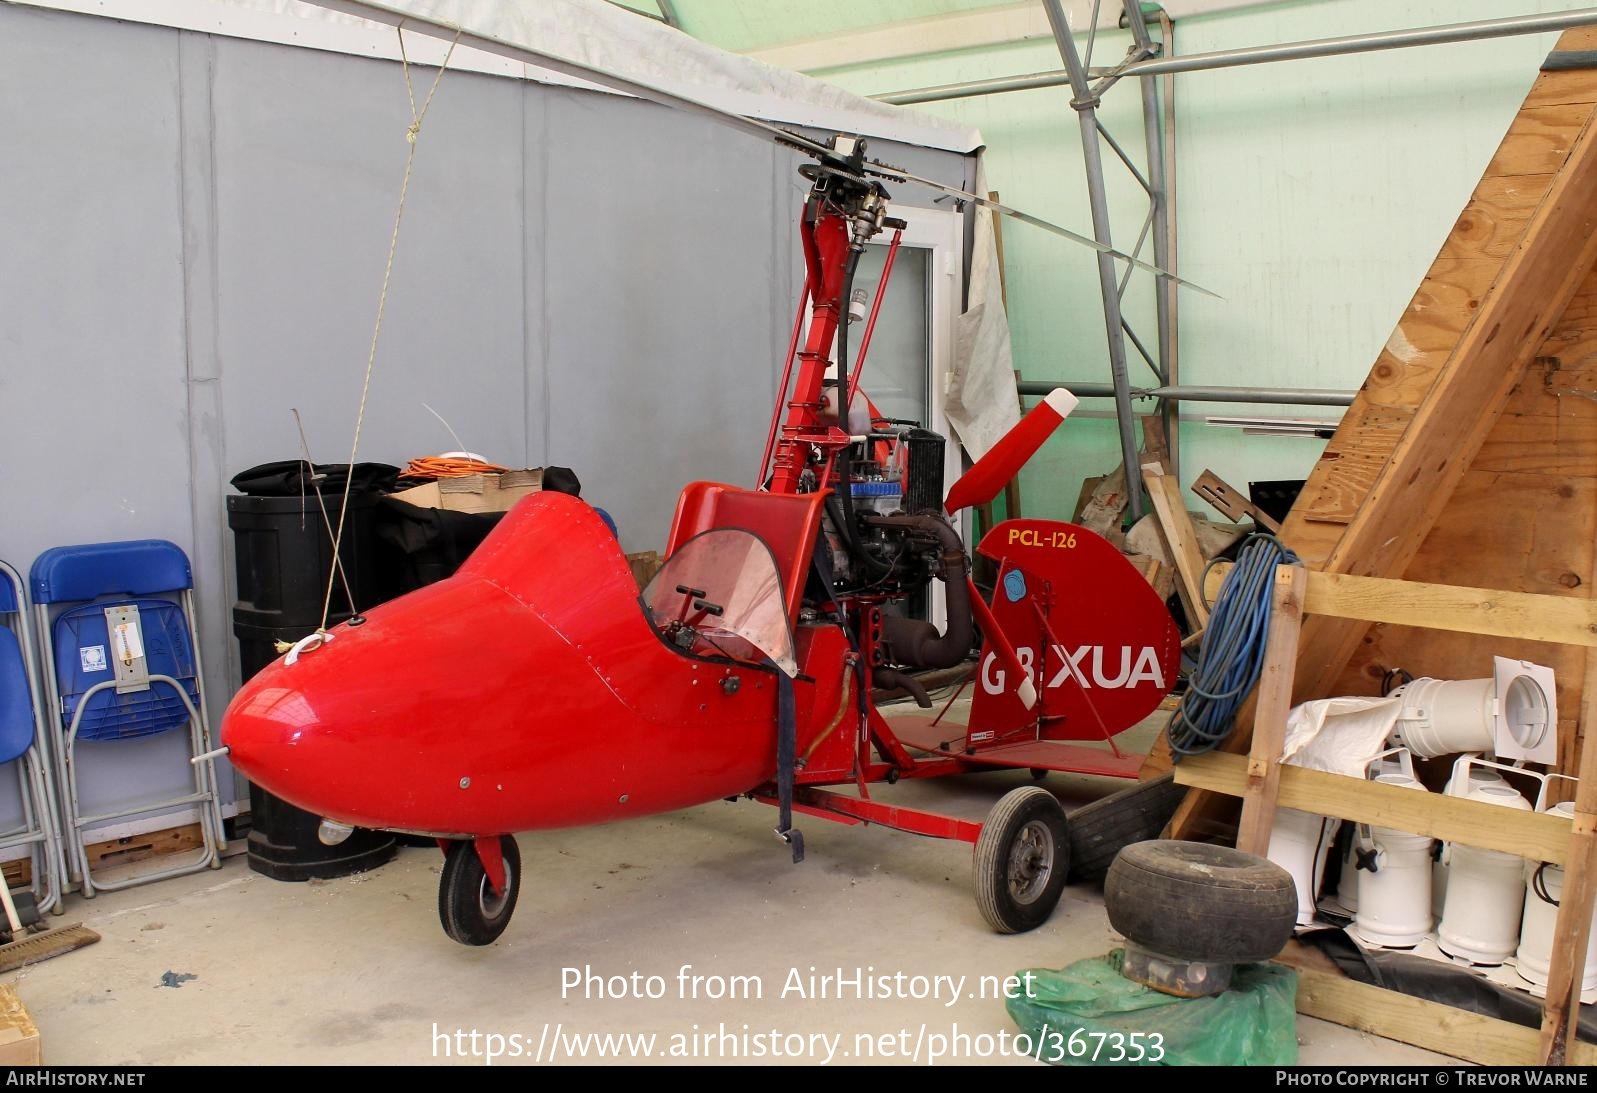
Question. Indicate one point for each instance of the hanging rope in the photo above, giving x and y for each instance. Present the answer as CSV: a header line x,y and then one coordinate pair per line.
x,y
321,503
412,132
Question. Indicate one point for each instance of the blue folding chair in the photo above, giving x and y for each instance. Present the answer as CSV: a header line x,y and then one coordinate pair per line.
x,y
24,741
116,624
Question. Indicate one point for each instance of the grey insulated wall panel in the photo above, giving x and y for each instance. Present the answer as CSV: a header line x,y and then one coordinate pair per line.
x,y
95,444
662,319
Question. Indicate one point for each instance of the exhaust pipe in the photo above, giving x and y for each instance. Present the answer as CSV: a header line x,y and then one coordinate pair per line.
x,y
913,642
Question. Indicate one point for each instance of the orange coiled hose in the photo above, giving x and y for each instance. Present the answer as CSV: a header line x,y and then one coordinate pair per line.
x,y
450,466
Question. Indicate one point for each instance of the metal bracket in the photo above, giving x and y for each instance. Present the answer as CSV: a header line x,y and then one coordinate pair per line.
x,y
127,658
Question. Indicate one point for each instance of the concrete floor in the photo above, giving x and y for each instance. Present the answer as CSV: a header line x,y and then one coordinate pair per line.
x,y
358,971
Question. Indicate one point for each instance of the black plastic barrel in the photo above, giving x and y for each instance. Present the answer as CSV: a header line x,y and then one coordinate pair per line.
x,y
284,555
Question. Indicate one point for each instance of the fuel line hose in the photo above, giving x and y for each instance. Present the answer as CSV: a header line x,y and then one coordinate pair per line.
x,y
1231,655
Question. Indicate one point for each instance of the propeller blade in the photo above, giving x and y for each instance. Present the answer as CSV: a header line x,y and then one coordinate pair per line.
x,y
993,471
892,173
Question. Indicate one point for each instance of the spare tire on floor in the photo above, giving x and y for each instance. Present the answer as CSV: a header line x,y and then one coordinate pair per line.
x,y
1193,901
1102,829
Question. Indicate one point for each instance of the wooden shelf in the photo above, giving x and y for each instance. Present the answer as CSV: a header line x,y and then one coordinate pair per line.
x,y
1537,835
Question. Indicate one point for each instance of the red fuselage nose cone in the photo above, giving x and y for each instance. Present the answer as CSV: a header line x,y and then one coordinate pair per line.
x,y
529,690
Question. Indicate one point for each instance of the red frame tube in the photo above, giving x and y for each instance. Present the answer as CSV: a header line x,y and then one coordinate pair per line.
x,y
913,820
787,378
870,325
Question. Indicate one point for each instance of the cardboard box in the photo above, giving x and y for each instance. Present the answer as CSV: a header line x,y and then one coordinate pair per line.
x,y
475,493
644,565
19,1037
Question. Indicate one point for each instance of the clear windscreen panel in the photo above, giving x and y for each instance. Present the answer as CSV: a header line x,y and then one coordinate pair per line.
x,y
721,594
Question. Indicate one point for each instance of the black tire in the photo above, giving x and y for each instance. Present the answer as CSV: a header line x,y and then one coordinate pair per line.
x,y
1022,856
1193,901
472,913
1102,829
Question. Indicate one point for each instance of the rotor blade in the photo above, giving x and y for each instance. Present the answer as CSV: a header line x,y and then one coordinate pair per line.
x,y
993,471
888,171
388,15
437,28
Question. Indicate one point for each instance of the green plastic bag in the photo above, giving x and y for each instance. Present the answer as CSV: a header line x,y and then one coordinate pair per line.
x,y
1088,1014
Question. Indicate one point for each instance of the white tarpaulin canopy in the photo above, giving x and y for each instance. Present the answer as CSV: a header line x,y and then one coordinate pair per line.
x,y
603,36
591,33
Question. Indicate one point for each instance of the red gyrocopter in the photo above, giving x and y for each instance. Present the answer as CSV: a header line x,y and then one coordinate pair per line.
x,y
551,694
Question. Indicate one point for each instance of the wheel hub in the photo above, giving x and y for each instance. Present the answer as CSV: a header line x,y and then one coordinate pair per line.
x,y
1031,862
491,903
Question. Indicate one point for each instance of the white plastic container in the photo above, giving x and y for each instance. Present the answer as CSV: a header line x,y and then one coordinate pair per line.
x,y
1394,901
1485,888
1395,760
1457,786
1541,917
1347,882
1300,843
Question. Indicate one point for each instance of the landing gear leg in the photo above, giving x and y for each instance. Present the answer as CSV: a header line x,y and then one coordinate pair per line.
x,y
478,888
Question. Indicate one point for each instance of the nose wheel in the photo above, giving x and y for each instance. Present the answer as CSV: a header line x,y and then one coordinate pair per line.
x,y
473,908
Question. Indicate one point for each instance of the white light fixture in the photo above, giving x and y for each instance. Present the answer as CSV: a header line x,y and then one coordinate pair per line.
x,y
1513,715
331,832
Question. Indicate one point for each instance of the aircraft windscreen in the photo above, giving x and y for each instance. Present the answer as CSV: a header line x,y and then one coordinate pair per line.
x,y
719,586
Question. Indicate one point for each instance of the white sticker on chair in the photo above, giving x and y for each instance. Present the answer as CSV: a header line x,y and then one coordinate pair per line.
x,y
92,658
128,641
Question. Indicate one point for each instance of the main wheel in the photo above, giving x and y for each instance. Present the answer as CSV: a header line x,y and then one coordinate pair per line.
x,y
1022,856
1100,830
471,911
1193,901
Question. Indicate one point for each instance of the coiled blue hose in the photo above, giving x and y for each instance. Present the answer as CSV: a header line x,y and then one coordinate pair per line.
x,y
1231,655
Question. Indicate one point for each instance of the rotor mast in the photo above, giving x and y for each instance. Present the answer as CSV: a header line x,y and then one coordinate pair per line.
x,y
844,211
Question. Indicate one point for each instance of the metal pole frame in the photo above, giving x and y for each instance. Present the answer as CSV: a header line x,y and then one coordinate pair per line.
x,y
1085,103
1273,396
1233,58
1162,210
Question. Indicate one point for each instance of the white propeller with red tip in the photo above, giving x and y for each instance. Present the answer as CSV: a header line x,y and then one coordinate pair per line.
x,y
983,482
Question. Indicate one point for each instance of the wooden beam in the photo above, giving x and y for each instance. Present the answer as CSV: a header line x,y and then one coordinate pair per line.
x,y
1449,426
1230,502
1271,709
1180,540
1540,836
1580,889
1526,616
1421,1022
998,247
